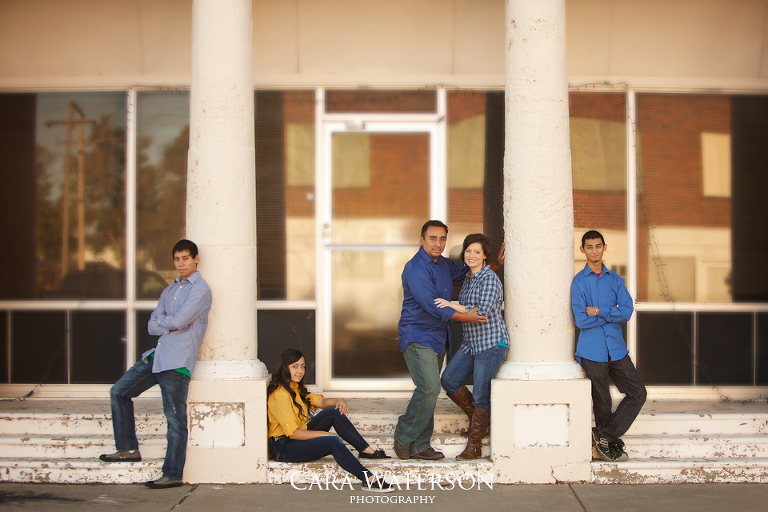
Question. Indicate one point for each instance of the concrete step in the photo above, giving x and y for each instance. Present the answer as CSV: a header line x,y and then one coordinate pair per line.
x,y
404,472
76,417
697,447
78,471
701,418
80,447
678,471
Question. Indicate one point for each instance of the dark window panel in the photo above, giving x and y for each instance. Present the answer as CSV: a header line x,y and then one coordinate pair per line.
x,y
98,346
4,347
38,347
665,348
422,102
144,340
724,349
62,201
281,330
762,349
749,161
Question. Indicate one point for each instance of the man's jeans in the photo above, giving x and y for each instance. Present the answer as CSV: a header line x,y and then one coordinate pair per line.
x,y
624,375
483,366
416,425
173,387
286,449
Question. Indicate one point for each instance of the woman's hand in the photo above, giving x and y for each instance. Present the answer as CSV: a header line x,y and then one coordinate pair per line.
x,y
442,303
342,406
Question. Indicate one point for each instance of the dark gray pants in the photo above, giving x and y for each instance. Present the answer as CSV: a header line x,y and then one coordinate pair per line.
x,y
624,375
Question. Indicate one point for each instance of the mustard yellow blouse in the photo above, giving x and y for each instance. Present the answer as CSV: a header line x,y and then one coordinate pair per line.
x,y
282,413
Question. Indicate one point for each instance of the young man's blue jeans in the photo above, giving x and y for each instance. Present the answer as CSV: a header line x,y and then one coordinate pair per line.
x,y
416,425
483,367
285,449
174,387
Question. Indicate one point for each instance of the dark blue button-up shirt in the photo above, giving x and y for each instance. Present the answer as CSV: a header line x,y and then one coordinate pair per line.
x,y
600,336
180,319
425,280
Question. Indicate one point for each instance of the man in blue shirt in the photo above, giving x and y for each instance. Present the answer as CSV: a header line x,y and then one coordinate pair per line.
x,y
600,303
180,319
424,336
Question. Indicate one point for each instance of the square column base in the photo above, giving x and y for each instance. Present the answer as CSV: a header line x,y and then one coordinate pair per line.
x,y
541,431
227,431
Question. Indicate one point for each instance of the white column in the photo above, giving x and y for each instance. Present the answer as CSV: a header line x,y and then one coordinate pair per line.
x,y
221,194
539,396
228,384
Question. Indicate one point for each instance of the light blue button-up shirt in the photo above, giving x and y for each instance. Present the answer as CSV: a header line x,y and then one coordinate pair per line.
x,y
600,336
180,319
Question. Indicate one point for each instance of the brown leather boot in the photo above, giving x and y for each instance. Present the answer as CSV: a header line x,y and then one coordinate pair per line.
x,y
463,398
480,420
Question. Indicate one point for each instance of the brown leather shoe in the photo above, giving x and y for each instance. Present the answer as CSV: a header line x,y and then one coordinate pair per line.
x,y
402,451
480,420
429,454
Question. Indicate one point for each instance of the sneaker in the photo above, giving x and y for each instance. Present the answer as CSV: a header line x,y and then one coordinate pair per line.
x,y
164,482
379,485
602,446
618,452
122,456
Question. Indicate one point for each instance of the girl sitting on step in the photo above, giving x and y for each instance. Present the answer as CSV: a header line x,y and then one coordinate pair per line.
x,y
297,436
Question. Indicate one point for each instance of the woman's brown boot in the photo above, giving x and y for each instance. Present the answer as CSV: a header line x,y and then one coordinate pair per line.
x,y
463,398
480,420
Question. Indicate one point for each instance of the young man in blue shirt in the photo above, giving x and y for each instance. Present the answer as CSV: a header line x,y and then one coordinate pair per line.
x,y
423,335
180,319
601,303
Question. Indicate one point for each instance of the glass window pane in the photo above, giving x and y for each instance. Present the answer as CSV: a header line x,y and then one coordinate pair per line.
x,y
144,340
665,348
599,161
361,333
724,355
281,330
285,194
762,349
380,187
402,102
162,144
702,230
62,203
475,169
4,346
39,347
98,346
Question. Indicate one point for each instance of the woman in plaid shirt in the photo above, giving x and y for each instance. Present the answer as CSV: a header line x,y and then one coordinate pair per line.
x,y
485,345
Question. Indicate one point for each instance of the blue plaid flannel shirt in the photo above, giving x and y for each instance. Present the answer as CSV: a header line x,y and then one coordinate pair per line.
x,y
484,292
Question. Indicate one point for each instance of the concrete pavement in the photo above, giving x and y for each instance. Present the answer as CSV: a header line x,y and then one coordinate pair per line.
x,y
277,498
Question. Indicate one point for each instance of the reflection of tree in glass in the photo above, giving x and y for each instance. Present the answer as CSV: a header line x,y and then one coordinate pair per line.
x,y
103,201
104,165
161,201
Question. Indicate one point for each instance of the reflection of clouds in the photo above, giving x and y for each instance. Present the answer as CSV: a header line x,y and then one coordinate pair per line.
x,y
160,117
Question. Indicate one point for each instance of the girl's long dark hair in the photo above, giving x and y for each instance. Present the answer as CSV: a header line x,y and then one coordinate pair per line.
x,y
281,377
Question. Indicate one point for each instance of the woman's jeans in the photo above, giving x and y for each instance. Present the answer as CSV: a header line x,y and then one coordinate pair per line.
x,y
483,366
173,387
285,449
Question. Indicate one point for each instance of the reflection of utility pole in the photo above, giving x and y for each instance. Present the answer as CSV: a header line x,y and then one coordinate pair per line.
x,y
70,121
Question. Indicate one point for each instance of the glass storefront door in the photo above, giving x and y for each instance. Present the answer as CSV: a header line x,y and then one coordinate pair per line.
x,y
380,185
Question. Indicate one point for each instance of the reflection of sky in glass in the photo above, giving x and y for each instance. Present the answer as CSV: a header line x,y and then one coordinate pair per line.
x,y
54,107
160,117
